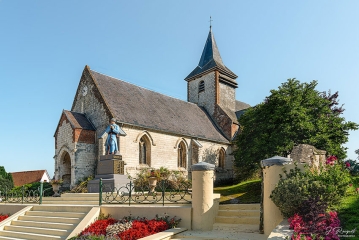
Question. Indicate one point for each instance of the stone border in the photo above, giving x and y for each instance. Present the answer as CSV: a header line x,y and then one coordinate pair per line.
x,y
281,231
14,216
165,235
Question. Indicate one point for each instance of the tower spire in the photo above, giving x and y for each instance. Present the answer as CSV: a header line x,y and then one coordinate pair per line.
x,y
211,59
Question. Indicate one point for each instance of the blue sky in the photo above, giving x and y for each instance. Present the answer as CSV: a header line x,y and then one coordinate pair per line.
x,y
44,46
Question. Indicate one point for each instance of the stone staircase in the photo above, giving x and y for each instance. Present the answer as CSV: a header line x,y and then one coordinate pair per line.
x,y
91,199
239,214
233,221
45,222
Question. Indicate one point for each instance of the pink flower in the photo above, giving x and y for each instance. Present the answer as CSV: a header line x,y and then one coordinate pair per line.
x,y
347,164
331,160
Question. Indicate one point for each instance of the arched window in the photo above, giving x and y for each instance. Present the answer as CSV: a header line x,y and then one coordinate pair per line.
x,y
182,155
144,150
201,86
221,158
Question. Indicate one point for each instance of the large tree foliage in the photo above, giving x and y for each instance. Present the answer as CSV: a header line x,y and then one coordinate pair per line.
x,y
6,181
295,113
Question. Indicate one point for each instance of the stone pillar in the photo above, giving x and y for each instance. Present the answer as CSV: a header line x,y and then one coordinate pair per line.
x,y
202,196
272,167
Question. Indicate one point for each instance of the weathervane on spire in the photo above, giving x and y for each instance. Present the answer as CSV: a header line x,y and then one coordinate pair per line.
x,y
210,22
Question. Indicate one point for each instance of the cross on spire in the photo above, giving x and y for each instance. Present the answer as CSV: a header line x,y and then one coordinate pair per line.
x,y
210,22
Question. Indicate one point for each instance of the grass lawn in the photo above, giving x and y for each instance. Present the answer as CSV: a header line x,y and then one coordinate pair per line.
x,y
349,210
244,192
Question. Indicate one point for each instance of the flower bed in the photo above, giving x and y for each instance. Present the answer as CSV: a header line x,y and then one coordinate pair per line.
x,y
325,227
127,228
3,217
308,197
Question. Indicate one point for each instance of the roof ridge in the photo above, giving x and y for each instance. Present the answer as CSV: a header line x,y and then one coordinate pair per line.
x,y
144,88
29,171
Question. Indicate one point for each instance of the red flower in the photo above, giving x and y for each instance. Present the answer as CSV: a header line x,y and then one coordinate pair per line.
x,y
347,164
331,160
3,217
143,228
327,226
99,227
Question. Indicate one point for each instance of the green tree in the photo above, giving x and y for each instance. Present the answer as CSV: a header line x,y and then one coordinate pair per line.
x,y
293,114
6,180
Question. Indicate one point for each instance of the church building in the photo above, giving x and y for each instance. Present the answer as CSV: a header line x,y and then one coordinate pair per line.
x,y
156,130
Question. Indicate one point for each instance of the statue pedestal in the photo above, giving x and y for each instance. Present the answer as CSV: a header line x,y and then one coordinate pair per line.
x,y
111,169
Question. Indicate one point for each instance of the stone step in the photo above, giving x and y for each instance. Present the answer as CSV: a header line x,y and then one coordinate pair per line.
x,y
239,207
61,208
228,227
80,195
89,203
65,226
49,219
36,230
63,198
11,238
237,220
56,214
22,235
239,213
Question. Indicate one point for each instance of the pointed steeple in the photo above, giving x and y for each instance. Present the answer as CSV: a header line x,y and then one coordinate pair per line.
x,y
210,52
211,60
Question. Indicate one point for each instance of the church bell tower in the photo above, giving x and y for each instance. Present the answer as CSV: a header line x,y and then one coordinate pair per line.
x,y
212,85
211,82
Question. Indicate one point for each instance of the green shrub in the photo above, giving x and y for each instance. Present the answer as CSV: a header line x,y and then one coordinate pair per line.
x,y
353,167
33,187
173,179
6,181
5,184
330,183
81,186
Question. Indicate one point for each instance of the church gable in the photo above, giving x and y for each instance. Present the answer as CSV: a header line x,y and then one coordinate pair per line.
x,y
90,101
74,127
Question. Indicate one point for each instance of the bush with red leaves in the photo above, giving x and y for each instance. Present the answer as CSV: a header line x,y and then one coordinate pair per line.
x,y
3,217
326,227
143,228
99,227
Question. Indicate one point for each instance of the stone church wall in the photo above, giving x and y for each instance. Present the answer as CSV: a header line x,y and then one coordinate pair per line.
x,y
82,154
206,98
64,144
164,151
91,104
227,96
85,161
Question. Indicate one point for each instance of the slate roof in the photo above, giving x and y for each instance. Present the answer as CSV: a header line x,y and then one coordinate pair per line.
x,y
141,107
241,108
211,59
21,178
79,120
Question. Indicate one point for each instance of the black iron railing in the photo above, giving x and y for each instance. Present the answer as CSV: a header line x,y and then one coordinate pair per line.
x,y
133,193
23,195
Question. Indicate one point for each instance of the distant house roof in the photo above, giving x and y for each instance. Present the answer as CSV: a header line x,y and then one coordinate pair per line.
x,y
21,178
210,60
141,107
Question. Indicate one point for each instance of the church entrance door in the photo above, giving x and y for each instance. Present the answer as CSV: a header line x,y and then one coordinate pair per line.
x,y
66,171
